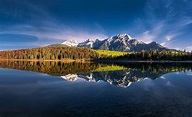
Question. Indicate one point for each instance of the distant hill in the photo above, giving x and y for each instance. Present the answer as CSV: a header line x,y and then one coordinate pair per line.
x,y
120,42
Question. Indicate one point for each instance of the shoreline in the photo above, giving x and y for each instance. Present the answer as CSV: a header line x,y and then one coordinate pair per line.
x,y
41,60
106,61
137,61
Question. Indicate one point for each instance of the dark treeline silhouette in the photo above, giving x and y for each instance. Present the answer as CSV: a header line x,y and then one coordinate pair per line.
x,y
157,55
50,53
159,67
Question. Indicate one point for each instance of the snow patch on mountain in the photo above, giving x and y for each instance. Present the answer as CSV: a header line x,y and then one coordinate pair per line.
x,y
119,42
75,77
87,43
70,43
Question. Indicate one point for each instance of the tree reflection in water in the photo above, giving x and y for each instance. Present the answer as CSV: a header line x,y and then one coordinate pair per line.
x,y
119,74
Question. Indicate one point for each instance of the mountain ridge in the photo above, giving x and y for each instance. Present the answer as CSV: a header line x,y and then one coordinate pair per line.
x,y
119,42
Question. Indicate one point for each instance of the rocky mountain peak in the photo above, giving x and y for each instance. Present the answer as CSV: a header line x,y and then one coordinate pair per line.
x,y
125,36
119,42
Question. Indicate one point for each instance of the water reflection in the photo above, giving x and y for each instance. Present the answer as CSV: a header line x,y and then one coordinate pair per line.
x,y
29,94
120,78
119,74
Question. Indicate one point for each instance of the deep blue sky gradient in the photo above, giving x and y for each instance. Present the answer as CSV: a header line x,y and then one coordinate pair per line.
x,y
35,23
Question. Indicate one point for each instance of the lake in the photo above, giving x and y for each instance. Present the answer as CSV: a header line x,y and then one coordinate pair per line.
x,y
56,89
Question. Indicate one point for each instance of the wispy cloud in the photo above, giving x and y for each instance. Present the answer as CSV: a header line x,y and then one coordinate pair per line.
x,y
57,35
169,37
189,48
152,34
164,23
147,37
163,43
42,25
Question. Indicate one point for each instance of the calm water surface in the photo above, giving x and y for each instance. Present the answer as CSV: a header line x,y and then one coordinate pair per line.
x,y
41,90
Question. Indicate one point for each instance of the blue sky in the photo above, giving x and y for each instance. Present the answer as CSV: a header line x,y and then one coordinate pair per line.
x,y
35,23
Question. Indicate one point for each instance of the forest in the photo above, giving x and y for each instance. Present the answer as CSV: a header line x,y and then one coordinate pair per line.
x,y
155,55
64,53
50,53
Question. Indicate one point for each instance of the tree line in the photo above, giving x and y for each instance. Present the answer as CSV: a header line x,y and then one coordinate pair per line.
x,y
156,55
50,53
74,53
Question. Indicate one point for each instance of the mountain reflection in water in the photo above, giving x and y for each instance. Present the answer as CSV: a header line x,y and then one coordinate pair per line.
x,y
119,74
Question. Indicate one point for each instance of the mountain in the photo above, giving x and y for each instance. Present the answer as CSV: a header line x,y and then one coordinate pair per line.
x,y
87,43
120,42
122,78
70,43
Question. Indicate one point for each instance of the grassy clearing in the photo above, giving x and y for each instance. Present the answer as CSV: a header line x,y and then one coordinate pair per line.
x,y
108,53
105,67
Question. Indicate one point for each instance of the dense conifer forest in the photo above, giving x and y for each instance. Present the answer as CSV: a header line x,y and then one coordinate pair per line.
x,y
50,53
155,55
74,53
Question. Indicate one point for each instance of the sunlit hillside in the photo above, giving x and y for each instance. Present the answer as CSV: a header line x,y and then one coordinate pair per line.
x,y
108,53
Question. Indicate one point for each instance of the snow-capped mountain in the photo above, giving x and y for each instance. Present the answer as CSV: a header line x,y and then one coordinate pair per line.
x,y
87,43
75,77
120,42
70,43
123,78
